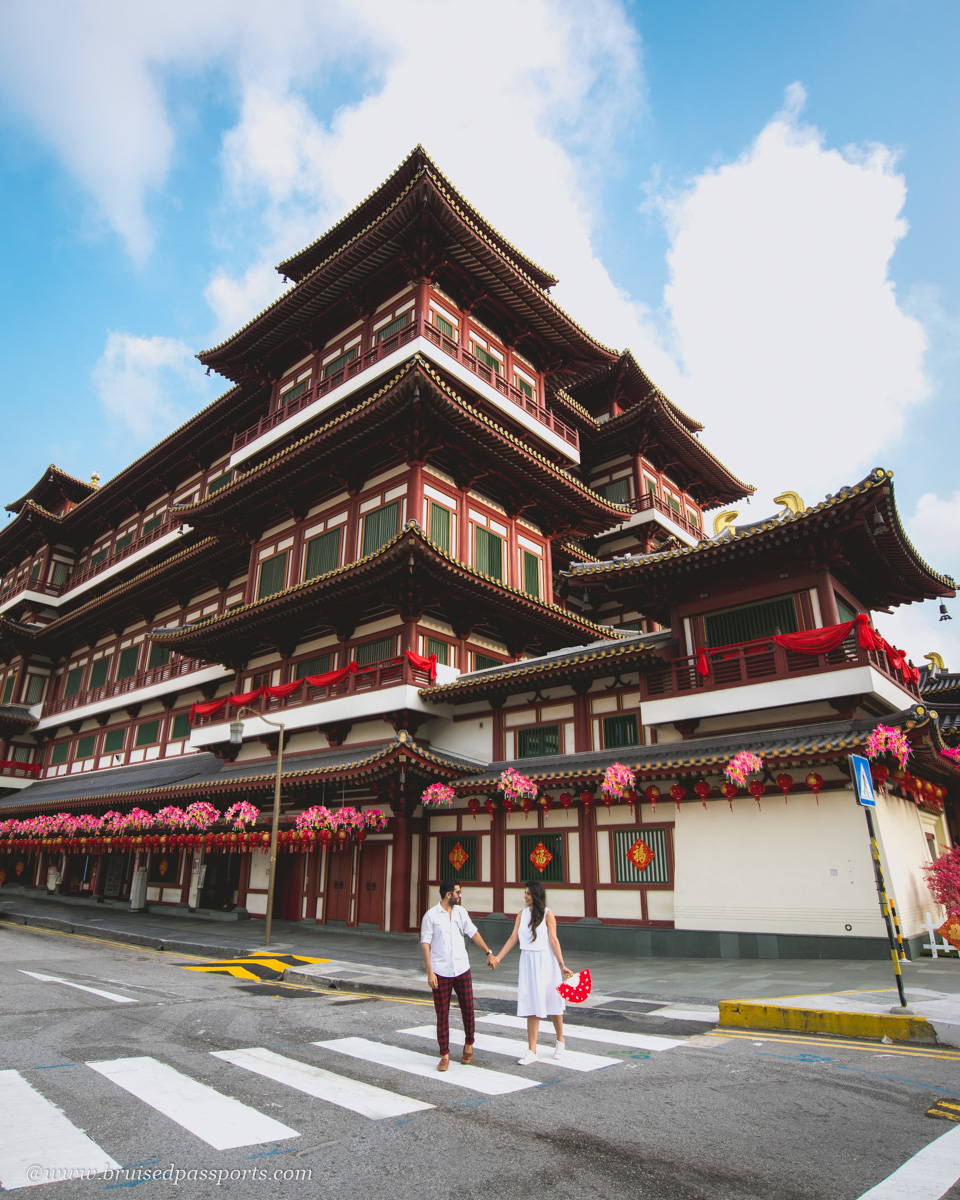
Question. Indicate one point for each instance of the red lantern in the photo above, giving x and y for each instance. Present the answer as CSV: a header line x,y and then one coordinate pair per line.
x,y
631,797
586,799
566,800
324,837
527,804
508,804
473,804
703,791
652,793
678,791
545,802
880,773
784,783
491,806
360,835
814,782
756,790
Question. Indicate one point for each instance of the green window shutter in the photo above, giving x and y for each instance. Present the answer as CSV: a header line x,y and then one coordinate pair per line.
x,y
159,656
123,543
113,741
148,732
273,575
440,649
74,679
447,845
440,526
8,689
379,527
656,871
151,525
61,570
98,672
538,742
318,665
85,746
489,553
617,492
652,488
446,327
292,393
526,388
751,621
488,360
531,574
323,554
21,754
59,753
181,727
482,661
620,731
34,689
337,364
528,842
35,571
394,327
220,482
99,557
843,608
127,662
374,652
674,504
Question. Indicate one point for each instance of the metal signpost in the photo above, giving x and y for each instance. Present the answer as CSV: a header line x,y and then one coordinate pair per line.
x,y
867,799
236,737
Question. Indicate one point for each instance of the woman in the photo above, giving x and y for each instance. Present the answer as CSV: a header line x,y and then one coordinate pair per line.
x,y
541,965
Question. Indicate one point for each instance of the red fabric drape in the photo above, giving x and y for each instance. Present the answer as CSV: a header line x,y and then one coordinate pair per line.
x,y
333,677
246,697
703,663
424,664
280,691
208,709
815,641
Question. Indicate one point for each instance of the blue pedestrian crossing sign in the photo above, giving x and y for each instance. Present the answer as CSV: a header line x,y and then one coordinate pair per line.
x,y
862,781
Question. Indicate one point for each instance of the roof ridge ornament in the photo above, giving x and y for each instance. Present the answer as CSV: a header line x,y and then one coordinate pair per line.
x,y
724,522
793,502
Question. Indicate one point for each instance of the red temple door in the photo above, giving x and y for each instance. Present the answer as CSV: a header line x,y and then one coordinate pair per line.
x,y
339,875
288,894
372,885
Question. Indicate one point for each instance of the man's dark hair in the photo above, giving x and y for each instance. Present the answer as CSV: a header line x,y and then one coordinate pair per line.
x,y
447,885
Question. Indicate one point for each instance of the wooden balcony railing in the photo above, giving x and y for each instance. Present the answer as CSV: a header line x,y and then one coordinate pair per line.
x,y
120,687
761,660
650,501
145,539
390,673
21,770
31,585
417,328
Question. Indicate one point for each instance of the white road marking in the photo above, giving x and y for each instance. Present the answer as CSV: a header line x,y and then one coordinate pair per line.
x,y
36,1137
574,1060
675,1013
478,1079
373,1102
590,1033
218,1120
927,1176
80,987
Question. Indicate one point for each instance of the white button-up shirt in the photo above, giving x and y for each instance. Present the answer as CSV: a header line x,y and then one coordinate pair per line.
x,y
444,933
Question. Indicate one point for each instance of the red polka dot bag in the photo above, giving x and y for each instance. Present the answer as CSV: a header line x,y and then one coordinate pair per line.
x,y
577,988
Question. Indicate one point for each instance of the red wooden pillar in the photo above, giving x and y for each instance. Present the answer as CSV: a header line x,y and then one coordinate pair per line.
x,y
588,862
244,882
463,528
415,495
582,738
401,874
496,716
548,571
422,308
312,867
829,613
352,552
497,849
186,870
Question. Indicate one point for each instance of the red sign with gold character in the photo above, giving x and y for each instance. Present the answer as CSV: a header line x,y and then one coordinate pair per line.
x,y
541,857
457,856
950,930
641,855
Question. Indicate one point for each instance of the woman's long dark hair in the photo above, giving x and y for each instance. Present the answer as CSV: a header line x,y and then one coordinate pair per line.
x,y
538,897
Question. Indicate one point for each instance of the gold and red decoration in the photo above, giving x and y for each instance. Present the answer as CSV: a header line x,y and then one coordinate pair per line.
x,y
458,856
586,799
541,857
814,782
729,790
641,855
703,790
756,789
784,783
678,791
490,805
566,800
652,793
950,930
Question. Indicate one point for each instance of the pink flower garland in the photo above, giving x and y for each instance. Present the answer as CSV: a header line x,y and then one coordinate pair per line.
x,y
742,765
617,781
241,814
437,795
887,739
516,786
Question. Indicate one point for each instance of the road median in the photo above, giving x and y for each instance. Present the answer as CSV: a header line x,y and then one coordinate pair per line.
x,y
848,1022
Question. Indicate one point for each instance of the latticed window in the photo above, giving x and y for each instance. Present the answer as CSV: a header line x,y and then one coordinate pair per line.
x,y
374,652
312,666
482,661
337,364
488,359
220,482
440,526
458,857
621,730
395,326
35,685
181,727
544,864
489,553
440,649
59,753
123,542
74,679
148,732
127,663
293,393
113,741
531,574
323,554
380,526
751,621
8,689
538,742
22,754
99,557
151,525
446,327
273,576
617,492
159,656
624,864
61,571
85,746
99,671
524,386
35,570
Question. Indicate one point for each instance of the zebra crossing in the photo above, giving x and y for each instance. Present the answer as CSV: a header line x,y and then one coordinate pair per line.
x,y
41,1143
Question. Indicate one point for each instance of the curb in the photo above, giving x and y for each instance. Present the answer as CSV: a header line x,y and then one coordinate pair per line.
x,y
755,1014
59,925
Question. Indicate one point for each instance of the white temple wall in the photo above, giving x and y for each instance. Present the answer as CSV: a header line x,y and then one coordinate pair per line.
x,y
903,853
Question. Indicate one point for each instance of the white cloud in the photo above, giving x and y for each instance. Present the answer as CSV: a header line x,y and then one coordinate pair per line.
x,y
149,384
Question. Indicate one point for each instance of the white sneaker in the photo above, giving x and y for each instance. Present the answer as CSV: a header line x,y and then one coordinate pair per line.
x,y
558,1050
527,1059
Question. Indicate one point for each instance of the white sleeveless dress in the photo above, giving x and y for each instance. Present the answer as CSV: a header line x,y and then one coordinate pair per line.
x,y
537,994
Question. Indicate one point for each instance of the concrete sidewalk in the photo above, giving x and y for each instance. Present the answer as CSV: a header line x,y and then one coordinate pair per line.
x,y
832,996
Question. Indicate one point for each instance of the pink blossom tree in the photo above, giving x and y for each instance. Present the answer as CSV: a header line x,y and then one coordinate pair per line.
x,y
943,879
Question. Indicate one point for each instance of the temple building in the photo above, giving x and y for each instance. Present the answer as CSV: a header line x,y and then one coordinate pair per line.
x,y
433,531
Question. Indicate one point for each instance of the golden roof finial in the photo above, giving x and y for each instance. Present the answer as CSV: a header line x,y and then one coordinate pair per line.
x,y
95,479
936,661
792,500
724,521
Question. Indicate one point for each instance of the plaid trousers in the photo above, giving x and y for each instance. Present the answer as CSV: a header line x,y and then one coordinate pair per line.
x,y
463,986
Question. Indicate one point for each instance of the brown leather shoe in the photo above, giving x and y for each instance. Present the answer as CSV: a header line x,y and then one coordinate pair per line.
x,y
467,1056
444,1063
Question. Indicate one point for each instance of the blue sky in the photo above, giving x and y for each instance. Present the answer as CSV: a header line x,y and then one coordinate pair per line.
x,y
758,199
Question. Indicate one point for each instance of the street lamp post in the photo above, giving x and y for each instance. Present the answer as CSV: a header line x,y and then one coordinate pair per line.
x,y
236,737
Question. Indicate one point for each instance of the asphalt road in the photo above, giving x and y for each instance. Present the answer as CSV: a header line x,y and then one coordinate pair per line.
x,y
702,1117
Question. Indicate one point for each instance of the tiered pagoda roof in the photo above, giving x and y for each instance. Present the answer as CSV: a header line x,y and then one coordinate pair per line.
x,y
52,489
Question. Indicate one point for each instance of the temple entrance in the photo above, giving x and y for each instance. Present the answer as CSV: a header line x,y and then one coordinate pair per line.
x,y
339,877
288,890
371,887
221,881
116,877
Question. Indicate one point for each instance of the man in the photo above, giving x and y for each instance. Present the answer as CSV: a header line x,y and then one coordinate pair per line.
x,y
448,967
